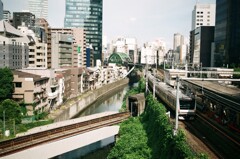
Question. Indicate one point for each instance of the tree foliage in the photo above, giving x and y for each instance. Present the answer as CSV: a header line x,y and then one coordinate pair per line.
x,y
6,79
133,142
12,111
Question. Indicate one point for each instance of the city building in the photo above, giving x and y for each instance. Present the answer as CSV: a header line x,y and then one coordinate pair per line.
x,y
7,15
1,10
153,52
41,22
31,89
79,51
37,46
203,15
86,14
14,47
203,38
61,55
23,19
39,8
178,40
126,45
227,34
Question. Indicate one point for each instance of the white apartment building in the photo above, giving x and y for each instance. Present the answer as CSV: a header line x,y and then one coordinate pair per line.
x,y
203,15
126,45
13,46
37,46
153,52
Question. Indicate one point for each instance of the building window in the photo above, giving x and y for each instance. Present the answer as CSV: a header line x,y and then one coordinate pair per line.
x,y
3,43
18,84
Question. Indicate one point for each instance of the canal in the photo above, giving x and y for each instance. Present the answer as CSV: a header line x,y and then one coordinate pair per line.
x,y
112,102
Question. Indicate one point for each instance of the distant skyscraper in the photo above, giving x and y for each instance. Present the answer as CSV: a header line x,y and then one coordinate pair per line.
x,y
203,15
86,14
178,40
39,8
1,10
227,33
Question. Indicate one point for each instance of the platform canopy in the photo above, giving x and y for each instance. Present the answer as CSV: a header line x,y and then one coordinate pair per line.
x,y
119,58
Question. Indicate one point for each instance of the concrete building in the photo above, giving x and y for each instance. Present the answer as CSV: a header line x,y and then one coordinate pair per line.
x,y
227,34
42,23
1,10
30,89
178,40
61,49
203,38
203,15
37,46
7,15
77,81
14,47
126,45
23,19
88,15
39,8
153,53
79,53
66,74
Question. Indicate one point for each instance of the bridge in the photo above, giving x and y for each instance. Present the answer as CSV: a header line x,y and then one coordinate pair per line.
x,y
63,131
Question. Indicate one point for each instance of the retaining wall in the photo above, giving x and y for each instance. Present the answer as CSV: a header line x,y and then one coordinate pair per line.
x,y
77,104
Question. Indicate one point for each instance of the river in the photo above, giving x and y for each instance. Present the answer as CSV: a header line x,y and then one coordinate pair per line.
x,y
112,102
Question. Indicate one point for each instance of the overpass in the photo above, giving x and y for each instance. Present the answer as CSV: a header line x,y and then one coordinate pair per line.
x,y
72,134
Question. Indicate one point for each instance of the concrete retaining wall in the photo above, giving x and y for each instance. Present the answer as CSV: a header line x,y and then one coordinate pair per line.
x,y
77,104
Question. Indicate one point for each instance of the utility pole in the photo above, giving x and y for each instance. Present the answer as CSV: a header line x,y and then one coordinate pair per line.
x,y
177,107
4,124
146,70
154,80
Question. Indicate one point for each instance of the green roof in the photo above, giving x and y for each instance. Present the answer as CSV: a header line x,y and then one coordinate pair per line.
x,y
119,58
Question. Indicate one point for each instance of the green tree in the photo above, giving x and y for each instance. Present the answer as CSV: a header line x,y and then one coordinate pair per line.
x,y
6,83
12,111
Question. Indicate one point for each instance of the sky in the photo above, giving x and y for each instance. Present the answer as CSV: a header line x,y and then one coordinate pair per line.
x,y
145,20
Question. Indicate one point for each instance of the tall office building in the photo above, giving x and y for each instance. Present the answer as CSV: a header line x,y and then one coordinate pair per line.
x,y
227,33
1,10
203,15
86,14
23,19
178,40
39,8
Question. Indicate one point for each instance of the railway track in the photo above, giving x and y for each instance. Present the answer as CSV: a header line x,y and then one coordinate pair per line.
x,y
22,143
223,145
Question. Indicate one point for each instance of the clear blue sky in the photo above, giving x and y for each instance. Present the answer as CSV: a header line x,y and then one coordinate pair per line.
x,y
145,20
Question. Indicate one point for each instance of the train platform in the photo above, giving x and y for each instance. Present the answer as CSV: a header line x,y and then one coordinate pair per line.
x,y
228,91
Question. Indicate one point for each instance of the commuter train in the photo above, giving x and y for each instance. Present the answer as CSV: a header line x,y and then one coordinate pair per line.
x,y
168,95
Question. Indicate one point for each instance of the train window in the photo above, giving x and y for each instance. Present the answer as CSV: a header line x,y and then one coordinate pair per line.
x,y
187,104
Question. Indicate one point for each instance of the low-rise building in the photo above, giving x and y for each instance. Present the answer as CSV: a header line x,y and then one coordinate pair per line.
x,y
31,89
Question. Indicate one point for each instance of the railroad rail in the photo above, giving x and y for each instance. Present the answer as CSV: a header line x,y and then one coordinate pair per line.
x,y
227,148
24,142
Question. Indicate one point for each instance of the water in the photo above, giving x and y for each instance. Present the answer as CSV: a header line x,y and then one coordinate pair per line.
x,y
109,103
113,102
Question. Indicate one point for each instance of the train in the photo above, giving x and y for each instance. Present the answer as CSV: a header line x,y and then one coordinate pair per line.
x,y
167,94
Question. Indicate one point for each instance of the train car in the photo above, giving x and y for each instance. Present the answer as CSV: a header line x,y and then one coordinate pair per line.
x,y
168,95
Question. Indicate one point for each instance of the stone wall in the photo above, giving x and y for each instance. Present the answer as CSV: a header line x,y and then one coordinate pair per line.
x,y
75,105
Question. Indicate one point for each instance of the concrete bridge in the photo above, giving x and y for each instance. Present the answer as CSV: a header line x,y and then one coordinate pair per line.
x,y
47,141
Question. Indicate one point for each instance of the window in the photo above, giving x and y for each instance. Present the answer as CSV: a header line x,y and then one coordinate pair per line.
x,y
18,84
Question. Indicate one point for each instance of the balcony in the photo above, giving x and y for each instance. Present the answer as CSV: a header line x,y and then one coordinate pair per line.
x,y
53,95
38,89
